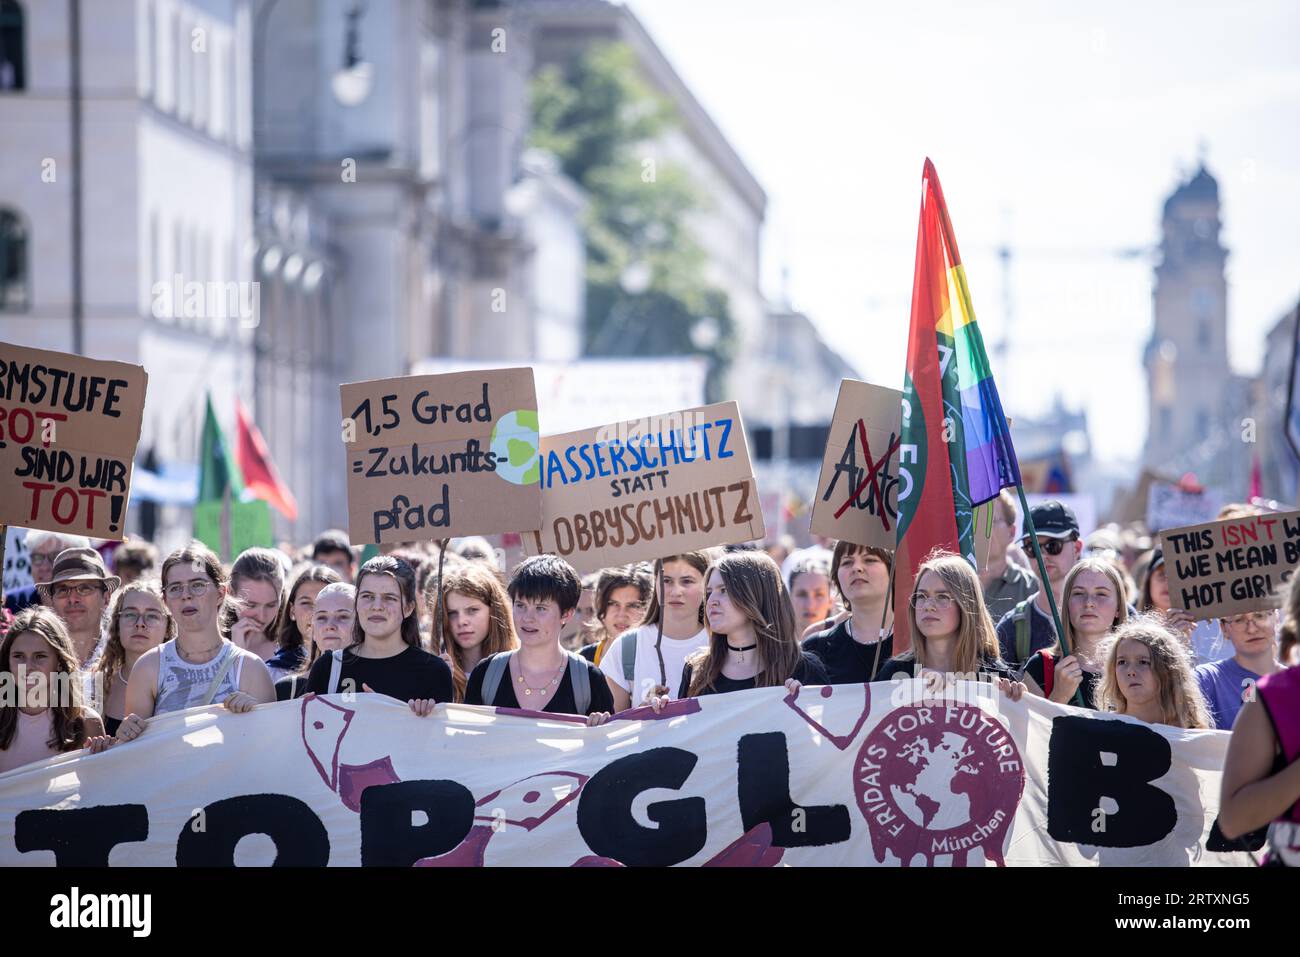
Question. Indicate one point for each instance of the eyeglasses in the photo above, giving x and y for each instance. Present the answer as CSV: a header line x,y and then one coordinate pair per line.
x,y
941,601
1258,618
1053,546
196,588
152,619
81,591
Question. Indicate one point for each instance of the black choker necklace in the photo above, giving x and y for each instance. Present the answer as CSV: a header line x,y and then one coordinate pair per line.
x,y
731,647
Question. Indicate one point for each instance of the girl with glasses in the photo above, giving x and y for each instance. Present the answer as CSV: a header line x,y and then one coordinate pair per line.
x,y
200,666
1147,673
139,621
1093,607
1227,684
952,633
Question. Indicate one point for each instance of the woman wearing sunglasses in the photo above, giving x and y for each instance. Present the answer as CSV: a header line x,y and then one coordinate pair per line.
x,y
1029,626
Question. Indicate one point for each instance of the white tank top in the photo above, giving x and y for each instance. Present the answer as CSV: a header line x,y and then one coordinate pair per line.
x,y
182,685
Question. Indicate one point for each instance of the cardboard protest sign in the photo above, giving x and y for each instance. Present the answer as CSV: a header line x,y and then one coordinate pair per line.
x,y
647,488
1169,506
18,562
439,456
68,432
250,525
846,775
1221,569
857,491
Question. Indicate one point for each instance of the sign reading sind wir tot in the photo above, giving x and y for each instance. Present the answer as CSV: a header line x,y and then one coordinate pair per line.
x,y
1224,568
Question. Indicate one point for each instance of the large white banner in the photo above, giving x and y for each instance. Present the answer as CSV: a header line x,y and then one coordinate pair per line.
x,y
849,775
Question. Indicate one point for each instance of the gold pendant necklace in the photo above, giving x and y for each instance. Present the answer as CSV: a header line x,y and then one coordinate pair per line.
x,y
542,689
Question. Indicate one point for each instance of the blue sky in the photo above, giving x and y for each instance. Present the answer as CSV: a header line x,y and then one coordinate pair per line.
x,y
1059,128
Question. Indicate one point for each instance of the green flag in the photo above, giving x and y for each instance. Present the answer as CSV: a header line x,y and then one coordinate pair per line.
x,y
217,467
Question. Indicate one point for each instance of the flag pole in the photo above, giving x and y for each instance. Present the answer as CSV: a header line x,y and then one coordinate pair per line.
x,y
1046,585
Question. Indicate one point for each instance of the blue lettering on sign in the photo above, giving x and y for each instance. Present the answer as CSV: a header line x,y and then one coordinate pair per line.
x,y
589,460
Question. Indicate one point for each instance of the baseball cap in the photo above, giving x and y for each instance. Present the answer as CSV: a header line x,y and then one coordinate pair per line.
x,y
1054,519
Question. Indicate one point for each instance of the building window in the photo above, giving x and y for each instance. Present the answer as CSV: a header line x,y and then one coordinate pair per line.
x,y
13,75
13,263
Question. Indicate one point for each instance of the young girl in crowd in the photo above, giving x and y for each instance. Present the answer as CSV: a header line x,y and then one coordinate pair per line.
x,y
199,666
810,593
952,633
45,715
855,650
753,640
138,622
621,597
1094,606
1147,673
385,656
333,615
648,659
1228,683
294,633
476,620
253,619
540,675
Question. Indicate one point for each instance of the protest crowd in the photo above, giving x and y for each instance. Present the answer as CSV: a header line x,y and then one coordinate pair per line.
x,y
100,652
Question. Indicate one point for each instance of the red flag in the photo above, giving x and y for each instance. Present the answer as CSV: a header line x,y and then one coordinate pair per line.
x,y
254,458
1256,480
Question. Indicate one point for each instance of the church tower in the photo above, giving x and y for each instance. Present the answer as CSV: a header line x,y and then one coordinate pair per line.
x,y
1189,381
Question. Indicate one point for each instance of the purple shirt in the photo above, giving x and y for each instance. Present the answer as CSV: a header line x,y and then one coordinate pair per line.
x,y
1223,683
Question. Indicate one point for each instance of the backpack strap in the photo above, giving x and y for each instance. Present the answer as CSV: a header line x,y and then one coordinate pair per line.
x,y
496,670
336,671
219,677
1024,633
629,655
1049,672
580,682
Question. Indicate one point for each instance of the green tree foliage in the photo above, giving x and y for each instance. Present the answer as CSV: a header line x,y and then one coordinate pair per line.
x,y
604,123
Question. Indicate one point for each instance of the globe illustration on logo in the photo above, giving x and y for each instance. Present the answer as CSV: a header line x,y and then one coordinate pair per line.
x,y
515,440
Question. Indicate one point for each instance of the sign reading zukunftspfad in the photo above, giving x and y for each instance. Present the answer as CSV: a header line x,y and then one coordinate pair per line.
x,y
68,431
842,775
647,488
1231,566
438,456
857,492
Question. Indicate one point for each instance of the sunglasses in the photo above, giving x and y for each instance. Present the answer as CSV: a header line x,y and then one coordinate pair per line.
x,y
1053,546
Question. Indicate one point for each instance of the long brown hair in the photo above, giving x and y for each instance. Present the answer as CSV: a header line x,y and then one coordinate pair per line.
x,y
65,696
1179,695
114,656
259,565
754,585
289,636
977,639
476,580
400,571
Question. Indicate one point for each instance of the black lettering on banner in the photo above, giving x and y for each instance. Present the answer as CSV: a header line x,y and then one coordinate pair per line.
x,y
1078,779
605,818
299,836
81,836
763,785
390,839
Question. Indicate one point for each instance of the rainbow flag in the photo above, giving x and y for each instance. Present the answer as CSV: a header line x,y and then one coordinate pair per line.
x,y
956,450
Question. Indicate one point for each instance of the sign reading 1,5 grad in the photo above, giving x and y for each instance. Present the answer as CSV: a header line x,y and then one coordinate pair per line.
x,y
439,456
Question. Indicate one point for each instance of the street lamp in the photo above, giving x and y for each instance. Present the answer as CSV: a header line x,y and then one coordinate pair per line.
x,y
351,84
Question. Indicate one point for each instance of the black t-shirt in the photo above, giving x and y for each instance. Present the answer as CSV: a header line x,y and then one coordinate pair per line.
x,y
906,667
1090,685
848,662
562,702
413,674
111,725
808,671
292,686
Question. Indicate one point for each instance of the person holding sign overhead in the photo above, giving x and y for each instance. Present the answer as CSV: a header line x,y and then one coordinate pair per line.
x,y
648,659
385,656
200,666
540,675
